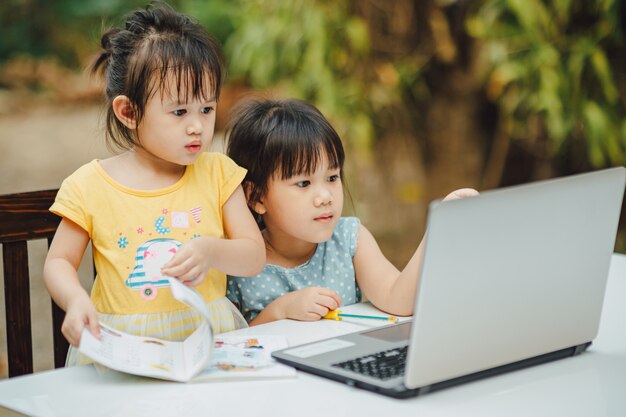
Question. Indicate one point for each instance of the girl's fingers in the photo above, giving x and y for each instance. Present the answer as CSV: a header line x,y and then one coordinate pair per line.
x,y
332,294
72,334
317,312
461,193
180,258
194,281
330,303
177,270
316,317
175,261
186,273
94,327
324,305
192,275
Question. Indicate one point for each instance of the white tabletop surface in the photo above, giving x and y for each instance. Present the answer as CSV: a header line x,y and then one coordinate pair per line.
x,y
591,384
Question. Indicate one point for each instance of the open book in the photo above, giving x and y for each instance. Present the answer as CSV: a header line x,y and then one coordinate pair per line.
x,y
199,357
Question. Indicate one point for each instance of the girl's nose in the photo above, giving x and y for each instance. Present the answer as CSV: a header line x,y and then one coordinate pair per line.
x,y
194,127
324,197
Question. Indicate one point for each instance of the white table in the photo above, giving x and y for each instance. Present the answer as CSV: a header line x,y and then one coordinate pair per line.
x,y
592,384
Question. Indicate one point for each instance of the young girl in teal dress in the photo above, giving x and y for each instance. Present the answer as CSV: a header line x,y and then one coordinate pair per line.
x,y
163,207
317,260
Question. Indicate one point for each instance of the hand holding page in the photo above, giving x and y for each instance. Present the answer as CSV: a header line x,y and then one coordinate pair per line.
x,y
234,357
156,358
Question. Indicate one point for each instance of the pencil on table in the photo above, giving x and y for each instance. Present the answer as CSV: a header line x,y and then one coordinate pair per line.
x,y
338,315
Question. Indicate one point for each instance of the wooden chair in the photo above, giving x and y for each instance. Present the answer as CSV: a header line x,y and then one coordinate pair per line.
x,y
25,217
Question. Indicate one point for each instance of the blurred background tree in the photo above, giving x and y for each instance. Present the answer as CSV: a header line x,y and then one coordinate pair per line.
x,y
553,74
428,95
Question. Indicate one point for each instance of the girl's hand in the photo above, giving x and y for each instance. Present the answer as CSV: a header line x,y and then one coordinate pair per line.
x,y
461,193
80,313
191,262
309,304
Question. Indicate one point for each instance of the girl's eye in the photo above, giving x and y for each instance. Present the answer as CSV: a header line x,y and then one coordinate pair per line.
x,y
207,110
303,184
333,178
179,112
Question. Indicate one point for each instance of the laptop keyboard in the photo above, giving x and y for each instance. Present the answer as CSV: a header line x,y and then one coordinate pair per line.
x,y
382,365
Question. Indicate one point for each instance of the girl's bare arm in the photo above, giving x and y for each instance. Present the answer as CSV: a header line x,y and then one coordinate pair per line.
x,y
389,289
63,284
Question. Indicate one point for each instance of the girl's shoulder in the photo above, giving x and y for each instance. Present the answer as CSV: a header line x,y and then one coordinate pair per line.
x,y
214,160
346,225
85,172
221,171
216,165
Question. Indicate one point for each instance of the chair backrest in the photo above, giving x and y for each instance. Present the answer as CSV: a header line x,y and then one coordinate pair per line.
x,y
25,217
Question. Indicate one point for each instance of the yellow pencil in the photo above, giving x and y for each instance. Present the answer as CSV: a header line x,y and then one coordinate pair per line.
x,y
338,314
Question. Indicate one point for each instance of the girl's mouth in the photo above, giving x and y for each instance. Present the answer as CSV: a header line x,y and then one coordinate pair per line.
x,y
324,218
194,147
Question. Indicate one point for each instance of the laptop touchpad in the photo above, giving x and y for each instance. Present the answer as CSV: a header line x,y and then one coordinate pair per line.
x,y
391,334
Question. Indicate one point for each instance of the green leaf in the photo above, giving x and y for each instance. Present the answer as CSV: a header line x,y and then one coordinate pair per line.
x,y
603,72
358,35
595,128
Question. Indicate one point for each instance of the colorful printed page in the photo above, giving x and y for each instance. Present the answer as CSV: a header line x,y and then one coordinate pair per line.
x,y
156,358
246,357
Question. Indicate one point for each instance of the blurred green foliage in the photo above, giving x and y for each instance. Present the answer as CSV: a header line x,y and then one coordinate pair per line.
x,y
69,30
317,51
551,64
553,68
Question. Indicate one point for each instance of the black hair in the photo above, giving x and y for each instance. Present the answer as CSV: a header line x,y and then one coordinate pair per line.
x,y
137,61
280,138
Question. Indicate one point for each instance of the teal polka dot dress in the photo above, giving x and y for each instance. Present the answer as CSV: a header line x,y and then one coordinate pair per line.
x,y
330,266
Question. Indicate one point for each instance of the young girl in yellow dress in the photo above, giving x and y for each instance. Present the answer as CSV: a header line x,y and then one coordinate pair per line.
x,y
163,206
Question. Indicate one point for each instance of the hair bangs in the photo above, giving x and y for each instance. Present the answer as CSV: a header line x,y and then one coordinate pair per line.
x,y
300,151
181,68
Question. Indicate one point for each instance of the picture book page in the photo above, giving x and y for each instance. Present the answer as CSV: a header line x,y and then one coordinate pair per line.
x,y
148,356
197,350
145,356
237,357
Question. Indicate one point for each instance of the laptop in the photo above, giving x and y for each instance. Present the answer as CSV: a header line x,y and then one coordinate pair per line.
x,y
511,278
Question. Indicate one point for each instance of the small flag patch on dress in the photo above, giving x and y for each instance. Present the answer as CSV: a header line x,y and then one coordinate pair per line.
x,y
195,212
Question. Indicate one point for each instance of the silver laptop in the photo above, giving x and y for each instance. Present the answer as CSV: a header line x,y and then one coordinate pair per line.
x,y
511,278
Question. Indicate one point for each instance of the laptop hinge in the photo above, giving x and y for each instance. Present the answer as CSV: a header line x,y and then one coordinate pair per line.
x,y
581,348
424,390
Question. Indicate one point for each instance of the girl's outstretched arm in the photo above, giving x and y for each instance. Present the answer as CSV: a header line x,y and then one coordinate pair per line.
x,y
61,279
387,288
381,282
241,253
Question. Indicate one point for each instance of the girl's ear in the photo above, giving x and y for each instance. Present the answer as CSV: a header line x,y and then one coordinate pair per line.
x,y
257,206
124,112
